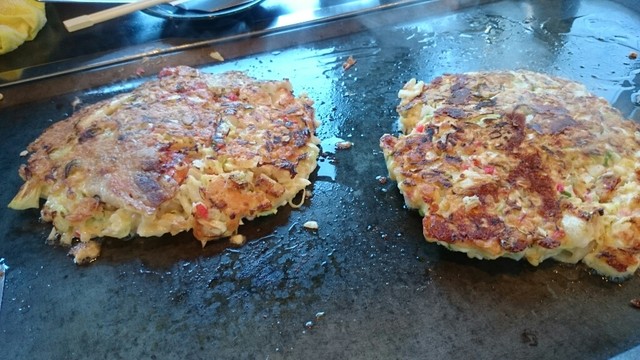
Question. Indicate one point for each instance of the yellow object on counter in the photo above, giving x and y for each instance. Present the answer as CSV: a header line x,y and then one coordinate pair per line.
x,y
20,20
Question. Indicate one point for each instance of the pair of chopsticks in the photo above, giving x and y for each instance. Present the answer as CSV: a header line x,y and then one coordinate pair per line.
x,y
85,21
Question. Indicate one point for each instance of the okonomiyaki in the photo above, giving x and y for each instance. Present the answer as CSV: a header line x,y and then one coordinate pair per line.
x,y
186,151
520,164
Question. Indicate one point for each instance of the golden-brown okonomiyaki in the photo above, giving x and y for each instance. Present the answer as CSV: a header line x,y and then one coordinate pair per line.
x,y
520,164
186,151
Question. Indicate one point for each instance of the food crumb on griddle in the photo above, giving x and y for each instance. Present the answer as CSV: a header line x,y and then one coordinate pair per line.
x,y
633,55
348,63
216,56
238,239
382,179
343,145
24,153
85,252
311,225
309,325
76,102
635,303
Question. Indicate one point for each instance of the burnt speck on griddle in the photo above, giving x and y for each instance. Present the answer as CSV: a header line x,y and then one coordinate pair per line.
x,y
427,274
529,337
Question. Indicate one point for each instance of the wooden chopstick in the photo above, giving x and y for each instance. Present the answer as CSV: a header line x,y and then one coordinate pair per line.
x,y
85,21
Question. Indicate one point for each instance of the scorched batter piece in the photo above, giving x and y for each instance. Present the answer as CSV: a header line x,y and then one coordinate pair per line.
x,y
186,151
520,164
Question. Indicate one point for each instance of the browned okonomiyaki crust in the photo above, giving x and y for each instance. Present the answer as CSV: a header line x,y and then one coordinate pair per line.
x,y
188,150
520,164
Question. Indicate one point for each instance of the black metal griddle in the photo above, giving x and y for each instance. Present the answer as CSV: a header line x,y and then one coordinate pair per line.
x,y
365,285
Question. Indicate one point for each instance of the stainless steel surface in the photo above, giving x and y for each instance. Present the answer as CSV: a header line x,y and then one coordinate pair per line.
x,y
209,5
196,5
365,285
185,14
141,36
89,1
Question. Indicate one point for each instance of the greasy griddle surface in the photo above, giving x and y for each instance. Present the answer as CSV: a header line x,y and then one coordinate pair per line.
x,y
366,284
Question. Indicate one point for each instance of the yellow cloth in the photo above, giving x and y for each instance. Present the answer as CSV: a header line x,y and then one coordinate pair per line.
x,y
20,20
